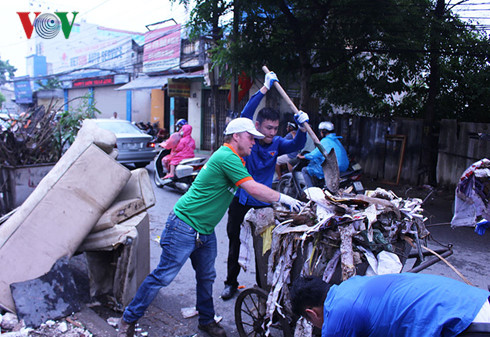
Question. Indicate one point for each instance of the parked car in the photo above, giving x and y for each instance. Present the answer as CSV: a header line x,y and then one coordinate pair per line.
x,y
133,145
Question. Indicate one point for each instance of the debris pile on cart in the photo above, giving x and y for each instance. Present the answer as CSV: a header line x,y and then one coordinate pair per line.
x,y
335,237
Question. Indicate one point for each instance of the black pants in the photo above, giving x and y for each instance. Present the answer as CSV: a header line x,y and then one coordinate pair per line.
x,y
236,213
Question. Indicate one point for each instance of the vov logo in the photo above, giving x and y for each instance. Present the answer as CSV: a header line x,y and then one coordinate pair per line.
x,y
47,25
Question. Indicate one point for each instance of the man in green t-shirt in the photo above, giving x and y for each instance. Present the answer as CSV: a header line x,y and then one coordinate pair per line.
x,y
189,232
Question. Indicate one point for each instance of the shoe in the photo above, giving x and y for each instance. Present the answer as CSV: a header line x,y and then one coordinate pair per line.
x,y
213,329
228,292
125,329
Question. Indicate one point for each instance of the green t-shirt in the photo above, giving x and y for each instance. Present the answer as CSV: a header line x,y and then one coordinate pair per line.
x,y
203,206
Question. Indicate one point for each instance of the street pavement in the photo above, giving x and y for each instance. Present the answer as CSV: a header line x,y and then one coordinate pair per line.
x,y
164,317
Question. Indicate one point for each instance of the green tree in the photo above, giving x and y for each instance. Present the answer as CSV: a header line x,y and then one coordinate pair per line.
x,y
50,83
2,99
382,58
6,71
70,121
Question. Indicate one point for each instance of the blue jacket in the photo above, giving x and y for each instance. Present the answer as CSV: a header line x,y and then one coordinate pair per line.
x,y
316,158
400,305
261,163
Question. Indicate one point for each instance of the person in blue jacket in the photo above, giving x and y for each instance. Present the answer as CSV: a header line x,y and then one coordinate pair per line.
x,y
392,305
329,141
261,164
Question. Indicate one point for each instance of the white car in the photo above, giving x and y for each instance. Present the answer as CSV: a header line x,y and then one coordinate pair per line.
x,y
133,145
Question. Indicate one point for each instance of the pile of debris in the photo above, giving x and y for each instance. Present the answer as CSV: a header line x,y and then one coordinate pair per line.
x,y
66,327
335,237
87,206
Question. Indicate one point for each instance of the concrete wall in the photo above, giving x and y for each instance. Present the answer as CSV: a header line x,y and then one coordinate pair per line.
x,y
195,112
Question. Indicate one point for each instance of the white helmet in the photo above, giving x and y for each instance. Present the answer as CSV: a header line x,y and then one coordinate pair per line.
x,y
325,126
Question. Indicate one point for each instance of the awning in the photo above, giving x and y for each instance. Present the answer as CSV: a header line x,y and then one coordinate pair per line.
x,y
145,82
157,82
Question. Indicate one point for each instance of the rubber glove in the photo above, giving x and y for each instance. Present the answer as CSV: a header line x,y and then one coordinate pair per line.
x,y
301,117
270,78
294,205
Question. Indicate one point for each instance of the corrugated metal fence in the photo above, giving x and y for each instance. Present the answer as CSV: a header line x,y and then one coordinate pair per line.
x,y
377,145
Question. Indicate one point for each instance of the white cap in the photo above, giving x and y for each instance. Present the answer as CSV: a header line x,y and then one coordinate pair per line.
x,y
326,126
241,125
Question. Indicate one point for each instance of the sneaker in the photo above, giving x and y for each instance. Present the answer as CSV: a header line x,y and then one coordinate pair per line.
x,y
228,292
125,329
213,329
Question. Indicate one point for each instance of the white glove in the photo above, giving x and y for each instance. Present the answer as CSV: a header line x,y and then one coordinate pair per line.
x,y
294,205
270,78
301,117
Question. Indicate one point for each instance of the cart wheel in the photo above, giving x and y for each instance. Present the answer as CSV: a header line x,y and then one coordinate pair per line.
x,y
250,315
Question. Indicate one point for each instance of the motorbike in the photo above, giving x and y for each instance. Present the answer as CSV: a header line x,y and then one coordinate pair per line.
x,y
352,177
293,183
185,172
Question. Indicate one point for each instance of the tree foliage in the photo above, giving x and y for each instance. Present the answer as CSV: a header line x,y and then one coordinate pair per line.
x,y
49,83
369,57
42,134
7,71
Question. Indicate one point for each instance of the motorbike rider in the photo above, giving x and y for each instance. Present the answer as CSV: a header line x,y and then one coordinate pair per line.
x,y
182,146
329,141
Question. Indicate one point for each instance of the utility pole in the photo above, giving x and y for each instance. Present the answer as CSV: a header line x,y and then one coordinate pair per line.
x,y
234,80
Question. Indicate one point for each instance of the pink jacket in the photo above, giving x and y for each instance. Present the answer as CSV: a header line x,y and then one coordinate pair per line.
x,y
185,148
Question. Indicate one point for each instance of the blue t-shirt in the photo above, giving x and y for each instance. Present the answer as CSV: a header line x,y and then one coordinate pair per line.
x,y
316,158
400,305
261,163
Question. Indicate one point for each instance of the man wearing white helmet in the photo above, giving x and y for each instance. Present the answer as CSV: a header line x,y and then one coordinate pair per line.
x,y
329,141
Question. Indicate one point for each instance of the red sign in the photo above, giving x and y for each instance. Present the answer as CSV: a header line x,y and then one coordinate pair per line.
x,y
162,49
93,82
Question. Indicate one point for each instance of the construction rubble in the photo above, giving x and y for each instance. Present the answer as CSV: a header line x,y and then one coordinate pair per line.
x,y
335,237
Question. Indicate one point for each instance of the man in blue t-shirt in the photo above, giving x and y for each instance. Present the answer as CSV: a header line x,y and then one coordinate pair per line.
x,y
394,305
261,164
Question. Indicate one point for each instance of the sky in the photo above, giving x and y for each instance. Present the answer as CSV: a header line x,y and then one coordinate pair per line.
x,y
132,15
119,14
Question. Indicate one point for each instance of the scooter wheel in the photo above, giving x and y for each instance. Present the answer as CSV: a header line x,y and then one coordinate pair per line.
x,y
157,180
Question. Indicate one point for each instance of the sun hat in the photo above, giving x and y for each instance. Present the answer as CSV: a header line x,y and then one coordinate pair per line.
x,y
242,125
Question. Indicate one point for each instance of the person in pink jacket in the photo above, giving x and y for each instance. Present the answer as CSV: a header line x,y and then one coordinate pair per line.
x,y
183,149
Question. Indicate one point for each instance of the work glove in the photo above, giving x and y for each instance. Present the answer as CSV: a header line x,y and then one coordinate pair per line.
x,y
270,78
294,205
301,117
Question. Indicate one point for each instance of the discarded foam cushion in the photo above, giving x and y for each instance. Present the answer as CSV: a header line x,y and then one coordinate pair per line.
x,y
118,212
59,213
138,186
118,259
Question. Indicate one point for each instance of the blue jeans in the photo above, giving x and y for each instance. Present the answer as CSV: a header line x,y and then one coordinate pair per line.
x,y
179,241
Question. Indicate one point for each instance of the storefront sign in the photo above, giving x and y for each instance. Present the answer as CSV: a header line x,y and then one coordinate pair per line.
x,y
162,49
23,92
178,88
93,82
110,54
